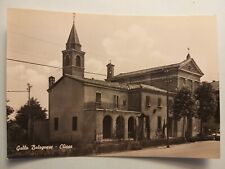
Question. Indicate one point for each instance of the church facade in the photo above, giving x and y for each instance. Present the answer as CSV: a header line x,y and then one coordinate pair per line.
x,y
127,106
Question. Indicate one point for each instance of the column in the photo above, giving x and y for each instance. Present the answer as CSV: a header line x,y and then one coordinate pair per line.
x,y
114,126
99,126
126,127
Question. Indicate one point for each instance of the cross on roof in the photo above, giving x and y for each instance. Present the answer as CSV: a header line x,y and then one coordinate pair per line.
x,y
188,50
74,14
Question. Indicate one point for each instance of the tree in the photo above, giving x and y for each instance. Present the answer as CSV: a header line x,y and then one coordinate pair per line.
x,y
184,107
33,110
15,134
9,111
205,96
217,112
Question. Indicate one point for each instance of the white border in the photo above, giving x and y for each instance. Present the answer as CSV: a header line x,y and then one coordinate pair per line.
x,y
126,7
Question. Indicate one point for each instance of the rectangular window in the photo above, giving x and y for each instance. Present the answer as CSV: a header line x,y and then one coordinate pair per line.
x,y
74,123
56,123
147,101
98,97
159,123
170,105
189,84
182,82
124,102
116,101
159,102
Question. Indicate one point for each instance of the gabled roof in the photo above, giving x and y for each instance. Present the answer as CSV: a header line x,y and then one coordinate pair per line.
x,y
159,68
195,66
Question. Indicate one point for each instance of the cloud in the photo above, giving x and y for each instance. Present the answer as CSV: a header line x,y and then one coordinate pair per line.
x,y
94,65
129,42
17,78
55,63
132,46
35,77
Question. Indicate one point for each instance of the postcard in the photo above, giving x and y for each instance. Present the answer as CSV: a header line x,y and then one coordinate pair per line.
x,y
112,85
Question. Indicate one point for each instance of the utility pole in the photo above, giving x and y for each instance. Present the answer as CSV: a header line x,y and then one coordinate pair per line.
x,y
30,120
28,90
30,124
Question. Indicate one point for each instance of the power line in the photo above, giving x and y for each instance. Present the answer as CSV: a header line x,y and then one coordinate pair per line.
x,y
40,64
33,63
17,91
95,73
35,38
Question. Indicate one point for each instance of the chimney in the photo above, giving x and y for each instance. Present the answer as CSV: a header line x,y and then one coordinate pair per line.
x,y
110,70
51,81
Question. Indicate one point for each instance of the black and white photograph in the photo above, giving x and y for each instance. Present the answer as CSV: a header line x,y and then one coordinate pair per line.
x,y
82,84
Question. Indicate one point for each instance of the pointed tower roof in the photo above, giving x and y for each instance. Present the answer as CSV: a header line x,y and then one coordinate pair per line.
x,y
73,40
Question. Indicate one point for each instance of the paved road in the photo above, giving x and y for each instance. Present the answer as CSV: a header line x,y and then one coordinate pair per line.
x,y
204,149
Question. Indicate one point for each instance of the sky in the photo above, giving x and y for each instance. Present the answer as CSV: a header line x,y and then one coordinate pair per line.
x,y
130,42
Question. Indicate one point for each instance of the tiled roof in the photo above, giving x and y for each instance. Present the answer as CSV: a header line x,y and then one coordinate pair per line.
x,y
144,86
99,82
152,69
125,86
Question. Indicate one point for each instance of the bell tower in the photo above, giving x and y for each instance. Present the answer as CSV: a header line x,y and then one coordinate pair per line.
x,y
110,70
73,56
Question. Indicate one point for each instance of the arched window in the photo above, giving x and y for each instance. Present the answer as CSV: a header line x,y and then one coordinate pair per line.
x,y
67,60
78,61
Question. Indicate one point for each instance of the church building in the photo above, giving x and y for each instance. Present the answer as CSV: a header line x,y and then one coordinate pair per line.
x,y
127,106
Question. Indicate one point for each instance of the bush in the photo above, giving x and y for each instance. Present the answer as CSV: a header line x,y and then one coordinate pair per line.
x,y
134,146
83,150
200,138
110,147
151,143
178,140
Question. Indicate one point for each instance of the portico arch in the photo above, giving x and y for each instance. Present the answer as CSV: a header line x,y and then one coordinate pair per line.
x,y
107,127
131,127
120,127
